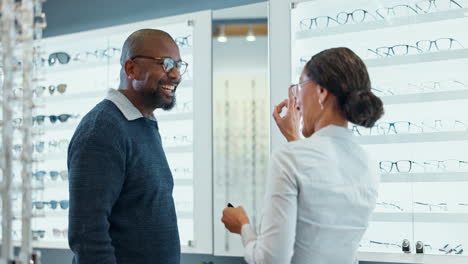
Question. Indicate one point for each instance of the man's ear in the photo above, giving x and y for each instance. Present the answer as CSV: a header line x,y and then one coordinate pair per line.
x,y
130,69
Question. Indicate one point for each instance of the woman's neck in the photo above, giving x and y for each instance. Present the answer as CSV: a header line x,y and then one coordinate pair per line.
x,y
330,117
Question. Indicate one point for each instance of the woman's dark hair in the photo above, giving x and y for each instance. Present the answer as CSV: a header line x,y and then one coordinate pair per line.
x,y
344,74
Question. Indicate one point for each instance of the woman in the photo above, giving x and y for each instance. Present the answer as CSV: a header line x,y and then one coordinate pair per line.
x,y
321,190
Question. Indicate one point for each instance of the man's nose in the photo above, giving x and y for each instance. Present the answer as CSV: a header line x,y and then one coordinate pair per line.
x,y
174,74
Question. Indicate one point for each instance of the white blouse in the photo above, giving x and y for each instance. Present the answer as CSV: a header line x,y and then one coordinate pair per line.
x,y
320,194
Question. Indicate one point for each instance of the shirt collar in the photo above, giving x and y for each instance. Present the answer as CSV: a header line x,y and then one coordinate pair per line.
x,y
125,106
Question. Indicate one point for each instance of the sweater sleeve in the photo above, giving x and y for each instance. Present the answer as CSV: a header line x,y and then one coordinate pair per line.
x,y
96,164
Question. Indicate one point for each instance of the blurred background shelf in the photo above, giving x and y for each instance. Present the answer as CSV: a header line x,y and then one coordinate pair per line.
x,y
425,177
414,138
433,217
382,24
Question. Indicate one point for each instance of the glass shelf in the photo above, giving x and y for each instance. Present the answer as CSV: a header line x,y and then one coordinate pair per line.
x,y
425,177
418,58
382,24
425,97
414,138
435,217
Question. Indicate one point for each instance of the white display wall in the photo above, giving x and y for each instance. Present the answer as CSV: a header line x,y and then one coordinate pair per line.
x,y
416,55
72,88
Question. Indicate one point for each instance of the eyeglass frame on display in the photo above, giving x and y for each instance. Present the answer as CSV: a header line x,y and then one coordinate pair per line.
x,y
184,42
410,162
391,49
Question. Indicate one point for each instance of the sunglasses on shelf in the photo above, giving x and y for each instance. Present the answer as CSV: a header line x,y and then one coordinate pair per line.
x,y
60,57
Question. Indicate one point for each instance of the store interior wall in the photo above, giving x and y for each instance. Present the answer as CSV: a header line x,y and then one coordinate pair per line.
x,y
68,16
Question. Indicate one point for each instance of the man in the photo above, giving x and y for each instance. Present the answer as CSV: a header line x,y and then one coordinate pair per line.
x,y
121,205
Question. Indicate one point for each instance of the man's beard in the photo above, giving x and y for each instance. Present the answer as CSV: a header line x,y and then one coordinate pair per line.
x,y
158,99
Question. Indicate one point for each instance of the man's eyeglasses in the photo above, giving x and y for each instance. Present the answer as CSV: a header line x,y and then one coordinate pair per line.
x,y
167,63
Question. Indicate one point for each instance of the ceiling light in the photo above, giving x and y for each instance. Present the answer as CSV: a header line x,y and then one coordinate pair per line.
x,y
222,36
250,34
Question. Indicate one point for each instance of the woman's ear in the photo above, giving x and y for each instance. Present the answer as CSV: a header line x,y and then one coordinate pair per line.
x,y
322,94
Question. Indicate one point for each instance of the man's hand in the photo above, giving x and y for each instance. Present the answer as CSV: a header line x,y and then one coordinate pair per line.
x,y
234,219
289,124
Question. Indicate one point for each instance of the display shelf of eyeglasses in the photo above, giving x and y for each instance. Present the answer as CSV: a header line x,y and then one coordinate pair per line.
x,y
400,257
183,182
414,138
179,149
309,31
427,57
395,60
176,116
184,214
428,217
62,126
60,98
424,177
98,64
44,244
425,97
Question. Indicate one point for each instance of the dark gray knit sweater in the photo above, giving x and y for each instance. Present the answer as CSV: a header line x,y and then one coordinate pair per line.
x,y
121,205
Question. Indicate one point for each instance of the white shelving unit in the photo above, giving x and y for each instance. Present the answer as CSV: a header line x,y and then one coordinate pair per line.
x,y
382,24
414,138
435,217
410,258
87,84
426,97
418,58
425,177
395,72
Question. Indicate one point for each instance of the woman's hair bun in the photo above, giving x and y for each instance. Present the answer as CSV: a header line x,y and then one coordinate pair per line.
x,y
363,108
